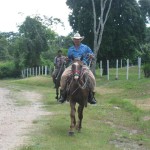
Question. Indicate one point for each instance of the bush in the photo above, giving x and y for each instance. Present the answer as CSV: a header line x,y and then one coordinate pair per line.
x,y
146,69
7,69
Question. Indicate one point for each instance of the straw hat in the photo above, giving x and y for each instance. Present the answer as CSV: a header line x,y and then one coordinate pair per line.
x,y
77,36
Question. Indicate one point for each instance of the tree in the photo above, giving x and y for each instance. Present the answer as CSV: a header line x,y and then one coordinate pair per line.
x,y
123,28
124,31
90,21
3,48
6,40
99,24
145,9
33,35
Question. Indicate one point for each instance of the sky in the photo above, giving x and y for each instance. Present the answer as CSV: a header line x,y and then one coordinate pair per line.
x,y
14,12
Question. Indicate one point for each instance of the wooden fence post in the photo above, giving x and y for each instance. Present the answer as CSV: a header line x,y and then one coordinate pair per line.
x,y
116,69
139,68
101,68
45,70
107,69
127,77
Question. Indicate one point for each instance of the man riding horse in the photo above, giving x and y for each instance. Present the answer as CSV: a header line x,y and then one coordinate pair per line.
x,y
78,51
59,61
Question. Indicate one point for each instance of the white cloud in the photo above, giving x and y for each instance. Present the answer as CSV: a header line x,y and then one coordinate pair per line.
x,y
13,13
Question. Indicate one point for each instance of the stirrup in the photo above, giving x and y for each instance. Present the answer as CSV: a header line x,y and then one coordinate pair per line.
x,y
63,96
61,99
91,98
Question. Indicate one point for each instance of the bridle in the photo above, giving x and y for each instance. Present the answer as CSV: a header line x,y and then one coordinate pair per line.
x,y
77,76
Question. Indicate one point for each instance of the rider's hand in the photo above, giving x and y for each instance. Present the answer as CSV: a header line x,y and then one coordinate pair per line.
x,y
66,59
91,56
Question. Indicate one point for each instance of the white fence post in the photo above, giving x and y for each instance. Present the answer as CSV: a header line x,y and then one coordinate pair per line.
x,y
45,70
101,69
22,74
107,69
139,68
127,77
117,69
42,70
121,64
36,71
39,70
27,73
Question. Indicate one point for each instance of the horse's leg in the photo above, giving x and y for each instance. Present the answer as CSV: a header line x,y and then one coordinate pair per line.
x,y
57,93
72,117
80,117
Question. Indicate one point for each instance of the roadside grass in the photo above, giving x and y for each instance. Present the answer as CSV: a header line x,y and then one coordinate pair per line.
x,y
116,122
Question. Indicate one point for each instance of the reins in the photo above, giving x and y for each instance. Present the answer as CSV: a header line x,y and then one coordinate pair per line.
x,y
81,74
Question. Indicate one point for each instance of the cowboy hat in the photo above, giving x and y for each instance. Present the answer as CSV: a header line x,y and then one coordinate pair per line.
x,y
77,36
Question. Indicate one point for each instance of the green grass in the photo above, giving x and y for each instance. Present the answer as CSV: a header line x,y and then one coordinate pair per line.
x,y
116,119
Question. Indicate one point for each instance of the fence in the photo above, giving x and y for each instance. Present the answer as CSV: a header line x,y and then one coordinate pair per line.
x,y
45,70
36,71
117,68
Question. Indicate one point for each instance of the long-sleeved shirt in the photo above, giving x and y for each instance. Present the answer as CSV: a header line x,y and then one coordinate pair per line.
x,y
83,52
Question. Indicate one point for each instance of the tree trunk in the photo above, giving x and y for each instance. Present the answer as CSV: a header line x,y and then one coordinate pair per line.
x,y
98,27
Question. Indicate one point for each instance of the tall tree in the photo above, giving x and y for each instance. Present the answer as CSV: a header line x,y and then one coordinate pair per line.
x,y
145,9
99,24
124,26
124,31
90,20
34,36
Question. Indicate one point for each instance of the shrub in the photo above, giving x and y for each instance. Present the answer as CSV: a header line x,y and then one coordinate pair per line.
x,y
7,70
146,69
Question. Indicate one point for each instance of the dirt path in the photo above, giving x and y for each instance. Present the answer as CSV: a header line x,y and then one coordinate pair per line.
x,y
15,121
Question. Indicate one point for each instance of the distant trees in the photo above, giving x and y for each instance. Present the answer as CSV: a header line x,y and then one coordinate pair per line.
x,y
35,44
33,41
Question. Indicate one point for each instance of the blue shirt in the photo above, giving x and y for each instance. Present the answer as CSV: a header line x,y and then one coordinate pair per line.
x,y
82,51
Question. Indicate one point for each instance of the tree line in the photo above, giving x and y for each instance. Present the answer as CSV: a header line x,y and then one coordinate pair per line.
x,y
123,35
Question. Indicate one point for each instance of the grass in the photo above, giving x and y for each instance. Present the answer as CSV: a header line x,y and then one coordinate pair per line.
x,y
116,122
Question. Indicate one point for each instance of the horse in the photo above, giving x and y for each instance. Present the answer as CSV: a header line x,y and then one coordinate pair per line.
x,y
57,79
78,91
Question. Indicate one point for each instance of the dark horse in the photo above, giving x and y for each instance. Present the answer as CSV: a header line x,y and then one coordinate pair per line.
x,y
57,79
78,91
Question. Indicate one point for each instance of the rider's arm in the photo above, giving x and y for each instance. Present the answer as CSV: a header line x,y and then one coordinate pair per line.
x,y
90,53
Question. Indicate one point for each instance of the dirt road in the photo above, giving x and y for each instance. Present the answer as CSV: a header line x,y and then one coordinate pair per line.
x,y
15,121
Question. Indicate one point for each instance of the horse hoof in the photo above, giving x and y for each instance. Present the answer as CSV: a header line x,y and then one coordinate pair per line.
x,y
70,133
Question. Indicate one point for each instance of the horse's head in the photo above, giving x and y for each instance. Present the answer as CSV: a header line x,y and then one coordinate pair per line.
x,y
76,68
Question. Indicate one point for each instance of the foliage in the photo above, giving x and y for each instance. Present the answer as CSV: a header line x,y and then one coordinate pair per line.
x,y
7,70
34,39
146,69
147,36
123,32
145,9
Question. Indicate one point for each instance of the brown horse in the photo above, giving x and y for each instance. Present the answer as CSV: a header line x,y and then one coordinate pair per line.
x,y
78,91
57,79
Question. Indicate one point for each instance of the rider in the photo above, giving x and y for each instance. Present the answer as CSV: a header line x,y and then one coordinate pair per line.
x,y
77,51
58,63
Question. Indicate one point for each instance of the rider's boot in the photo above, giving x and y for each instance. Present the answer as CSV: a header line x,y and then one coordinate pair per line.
x,y
91,98
63,96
